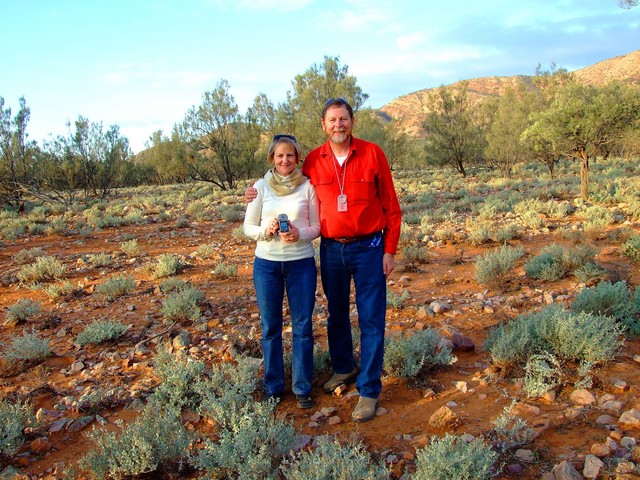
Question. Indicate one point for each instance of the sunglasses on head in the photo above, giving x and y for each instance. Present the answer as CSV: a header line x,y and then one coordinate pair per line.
x,y
284,135
335,100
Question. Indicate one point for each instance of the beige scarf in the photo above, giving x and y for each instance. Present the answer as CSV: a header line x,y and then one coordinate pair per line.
x,y
285,185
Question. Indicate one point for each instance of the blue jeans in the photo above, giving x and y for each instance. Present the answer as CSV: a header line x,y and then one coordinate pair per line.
x,y
362,261
299,278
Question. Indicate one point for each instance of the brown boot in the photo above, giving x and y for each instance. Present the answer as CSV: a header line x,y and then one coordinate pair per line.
x,y
365,409
340,379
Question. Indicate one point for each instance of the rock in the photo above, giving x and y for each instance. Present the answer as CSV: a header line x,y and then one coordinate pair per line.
x,y
592,466
381,411
301,442
462,342
582,396
461,386
613,406
628,442
565,471
40,445
605,420
316,417
524,410
620,385
630,418
439,307
444,417
515,469
335,420
79,424
327,411
600,450
526,456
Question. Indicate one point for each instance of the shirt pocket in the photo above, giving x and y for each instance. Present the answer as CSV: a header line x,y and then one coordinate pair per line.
x,y
362,186
323,185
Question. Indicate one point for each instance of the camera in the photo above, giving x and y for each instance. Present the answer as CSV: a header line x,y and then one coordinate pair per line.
x,y
283,222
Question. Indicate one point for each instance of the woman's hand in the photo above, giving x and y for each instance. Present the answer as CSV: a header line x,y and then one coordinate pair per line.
x,y
292,236
272,227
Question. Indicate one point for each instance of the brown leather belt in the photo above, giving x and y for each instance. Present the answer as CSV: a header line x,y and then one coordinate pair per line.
x,y
356,239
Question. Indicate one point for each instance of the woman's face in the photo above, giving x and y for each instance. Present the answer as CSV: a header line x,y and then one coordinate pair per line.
x,y
284,158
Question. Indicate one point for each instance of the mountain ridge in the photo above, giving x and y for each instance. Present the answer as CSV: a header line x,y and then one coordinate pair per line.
x,y
408,111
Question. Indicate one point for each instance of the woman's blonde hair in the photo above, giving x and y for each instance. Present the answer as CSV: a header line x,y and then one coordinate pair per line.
x,y
283,138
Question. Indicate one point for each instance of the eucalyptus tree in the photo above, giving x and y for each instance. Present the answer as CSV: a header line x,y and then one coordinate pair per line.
x,y
584,120
454,133
310,90
222,143
164,158
16,154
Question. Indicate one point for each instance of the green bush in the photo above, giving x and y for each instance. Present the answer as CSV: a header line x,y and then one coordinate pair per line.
x,y
28,255
395,300
28,347
99,260
58,291
415,254
452,457
555,261
116,287
495,267
613,300
101,331
166,265
332,461
22,310
155,439
183,305
252,445
44,268
14,418
575,337
631,248
206,250
406,356
510,432
179,376
173,284
543,372
225,270
130,248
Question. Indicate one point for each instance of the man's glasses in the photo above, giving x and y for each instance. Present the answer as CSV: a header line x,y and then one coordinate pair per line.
x,y
284,135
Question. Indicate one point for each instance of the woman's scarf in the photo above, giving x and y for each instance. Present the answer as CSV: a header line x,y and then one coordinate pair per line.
x,y
285,185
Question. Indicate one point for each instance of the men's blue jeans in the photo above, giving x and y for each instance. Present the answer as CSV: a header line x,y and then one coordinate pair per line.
x,y
299,278
362,261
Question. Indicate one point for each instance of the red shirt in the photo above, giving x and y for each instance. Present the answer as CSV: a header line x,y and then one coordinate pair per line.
x,y
372,203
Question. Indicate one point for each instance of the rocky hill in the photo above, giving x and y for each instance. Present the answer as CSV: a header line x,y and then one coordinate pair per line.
x,y
408,110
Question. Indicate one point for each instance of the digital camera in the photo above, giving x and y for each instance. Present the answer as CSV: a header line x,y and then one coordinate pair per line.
x,y
283,222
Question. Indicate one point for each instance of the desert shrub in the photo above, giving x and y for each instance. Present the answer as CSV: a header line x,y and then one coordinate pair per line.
x,y
406,356
631,248
415,254
116,287
155,439
225,270
130,248
504,234
22,310
206,250
101,259
478,232
543,372
101,331
44,268
28,255
454,457
173,284
395,300
14,418
231,213
166,265
510,432
589,272
57,291
28,348
252,445
181,222
496,266
183,304
555,261
576,337
321,360
596,217
613,300
332,461
179,376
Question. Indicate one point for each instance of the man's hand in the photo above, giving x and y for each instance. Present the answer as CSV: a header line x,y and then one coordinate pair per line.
x,y
388,264
250,193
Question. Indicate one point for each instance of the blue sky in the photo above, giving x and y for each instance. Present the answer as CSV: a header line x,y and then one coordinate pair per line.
x,y
141,64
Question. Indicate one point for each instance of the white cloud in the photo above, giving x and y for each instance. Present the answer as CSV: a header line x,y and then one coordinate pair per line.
x,y
406,42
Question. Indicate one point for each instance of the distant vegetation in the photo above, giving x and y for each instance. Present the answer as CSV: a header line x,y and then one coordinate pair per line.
x,y
540,119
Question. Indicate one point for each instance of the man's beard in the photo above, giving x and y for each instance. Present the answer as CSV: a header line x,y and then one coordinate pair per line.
x,y
338,137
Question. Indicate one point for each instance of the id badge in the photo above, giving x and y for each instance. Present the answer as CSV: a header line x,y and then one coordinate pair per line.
x,y
342,203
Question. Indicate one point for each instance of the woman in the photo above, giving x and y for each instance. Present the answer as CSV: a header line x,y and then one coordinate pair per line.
x,y
285,260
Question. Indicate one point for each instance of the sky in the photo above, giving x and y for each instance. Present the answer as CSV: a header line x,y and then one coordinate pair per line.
x,y
142,64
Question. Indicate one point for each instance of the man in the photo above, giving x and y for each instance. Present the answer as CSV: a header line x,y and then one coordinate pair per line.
x,y
360,221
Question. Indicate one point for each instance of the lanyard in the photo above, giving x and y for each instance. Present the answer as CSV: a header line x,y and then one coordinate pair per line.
x,y
343,168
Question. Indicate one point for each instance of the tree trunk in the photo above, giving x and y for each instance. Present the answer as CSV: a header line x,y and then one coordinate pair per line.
x,y
584,176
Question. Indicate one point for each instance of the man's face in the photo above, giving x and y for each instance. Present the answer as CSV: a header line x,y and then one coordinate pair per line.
x,y
337,124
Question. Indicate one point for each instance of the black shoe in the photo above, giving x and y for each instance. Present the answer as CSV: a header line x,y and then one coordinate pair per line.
x,y
305,401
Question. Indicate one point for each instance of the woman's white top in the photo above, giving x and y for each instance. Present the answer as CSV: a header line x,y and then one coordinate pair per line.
x,y
301,206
